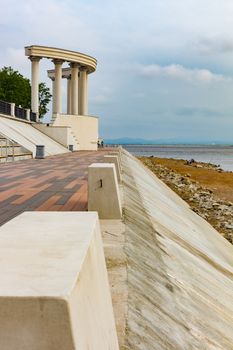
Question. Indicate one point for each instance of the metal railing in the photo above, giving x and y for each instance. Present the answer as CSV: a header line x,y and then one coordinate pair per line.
x,y
5,108
20,113
32,116
16,111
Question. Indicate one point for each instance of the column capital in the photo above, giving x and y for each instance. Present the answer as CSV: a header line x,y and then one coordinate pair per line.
x,y
74,65
57,61
34,58
83,69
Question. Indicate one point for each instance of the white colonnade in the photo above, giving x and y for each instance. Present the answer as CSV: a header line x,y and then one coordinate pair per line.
x,y
77,78
77,88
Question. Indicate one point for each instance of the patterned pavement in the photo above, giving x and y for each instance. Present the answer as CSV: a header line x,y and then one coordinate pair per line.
x,y
51,184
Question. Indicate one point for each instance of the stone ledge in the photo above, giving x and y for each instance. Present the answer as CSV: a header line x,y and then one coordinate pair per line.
x,y
103,191
54,288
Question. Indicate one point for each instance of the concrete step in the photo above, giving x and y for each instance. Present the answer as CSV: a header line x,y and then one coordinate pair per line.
x,y
75,139
8,143
11,151
16,157
4,151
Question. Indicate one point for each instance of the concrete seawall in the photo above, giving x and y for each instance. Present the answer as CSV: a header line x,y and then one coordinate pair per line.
x,y
179,269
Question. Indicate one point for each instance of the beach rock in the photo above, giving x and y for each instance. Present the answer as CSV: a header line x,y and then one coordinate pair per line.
x,y
202,200
215,204
229,226
180,185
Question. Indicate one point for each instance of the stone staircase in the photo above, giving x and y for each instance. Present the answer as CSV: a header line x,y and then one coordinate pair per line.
x,y
53,119
75,140
29,137
11,151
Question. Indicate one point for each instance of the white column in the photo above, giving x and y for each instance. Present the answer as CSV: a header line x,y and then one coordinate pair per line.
x,y
69,95
74,88
53,93
83,91
57,93
35,84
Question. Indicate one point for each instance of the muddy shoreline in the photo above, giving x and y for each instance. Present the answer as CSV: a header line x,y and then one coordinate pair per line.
x,y
205,187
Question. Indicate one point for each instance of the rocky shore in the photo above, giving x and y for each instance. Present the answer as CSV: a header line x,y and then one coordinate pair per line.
x,y
207,201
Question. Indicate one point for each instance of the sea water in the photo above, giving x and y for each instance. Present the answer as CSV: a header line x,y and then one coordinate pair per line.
x,y
219,155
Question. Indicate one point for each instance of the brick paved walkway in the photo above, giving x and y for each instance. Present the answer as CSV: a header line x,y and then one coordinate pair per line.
x,y
55,183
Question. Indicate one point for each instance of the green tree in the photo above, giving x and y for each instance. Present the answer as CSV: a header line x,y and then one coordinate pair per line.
x,y
14,87
44,99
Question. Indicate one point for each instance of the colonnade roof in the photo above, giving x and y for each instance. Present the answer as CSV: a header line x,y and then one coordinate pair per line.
x,y
61,54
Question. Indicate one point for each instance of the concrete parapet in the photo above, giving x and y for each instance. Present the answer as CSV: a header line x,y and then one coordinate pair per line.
x,y
54,291
28,114
103,191
114,160
117,153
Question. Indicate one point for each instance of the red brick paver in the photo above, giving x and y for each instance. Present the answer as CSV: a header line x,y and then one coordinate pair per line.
x,y
57,183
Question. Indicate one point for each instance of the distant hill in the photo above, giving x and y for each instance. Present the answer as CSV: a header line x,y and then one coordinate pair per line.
x,y
174,141
129,141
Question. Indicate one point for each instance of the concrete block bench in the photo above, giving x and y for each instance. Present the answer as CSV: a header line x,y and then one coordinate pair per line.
x,y
54,291
103,191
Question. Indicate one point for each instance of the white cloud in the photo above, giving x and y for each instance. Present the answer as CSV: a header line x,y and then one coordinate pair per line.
x,y
213,45
102,95
99,99
139,95
16,57
177,71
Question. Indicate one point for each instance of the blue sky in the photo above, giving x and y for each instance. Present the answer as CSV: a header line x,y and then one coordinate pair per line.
x,y
165,67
